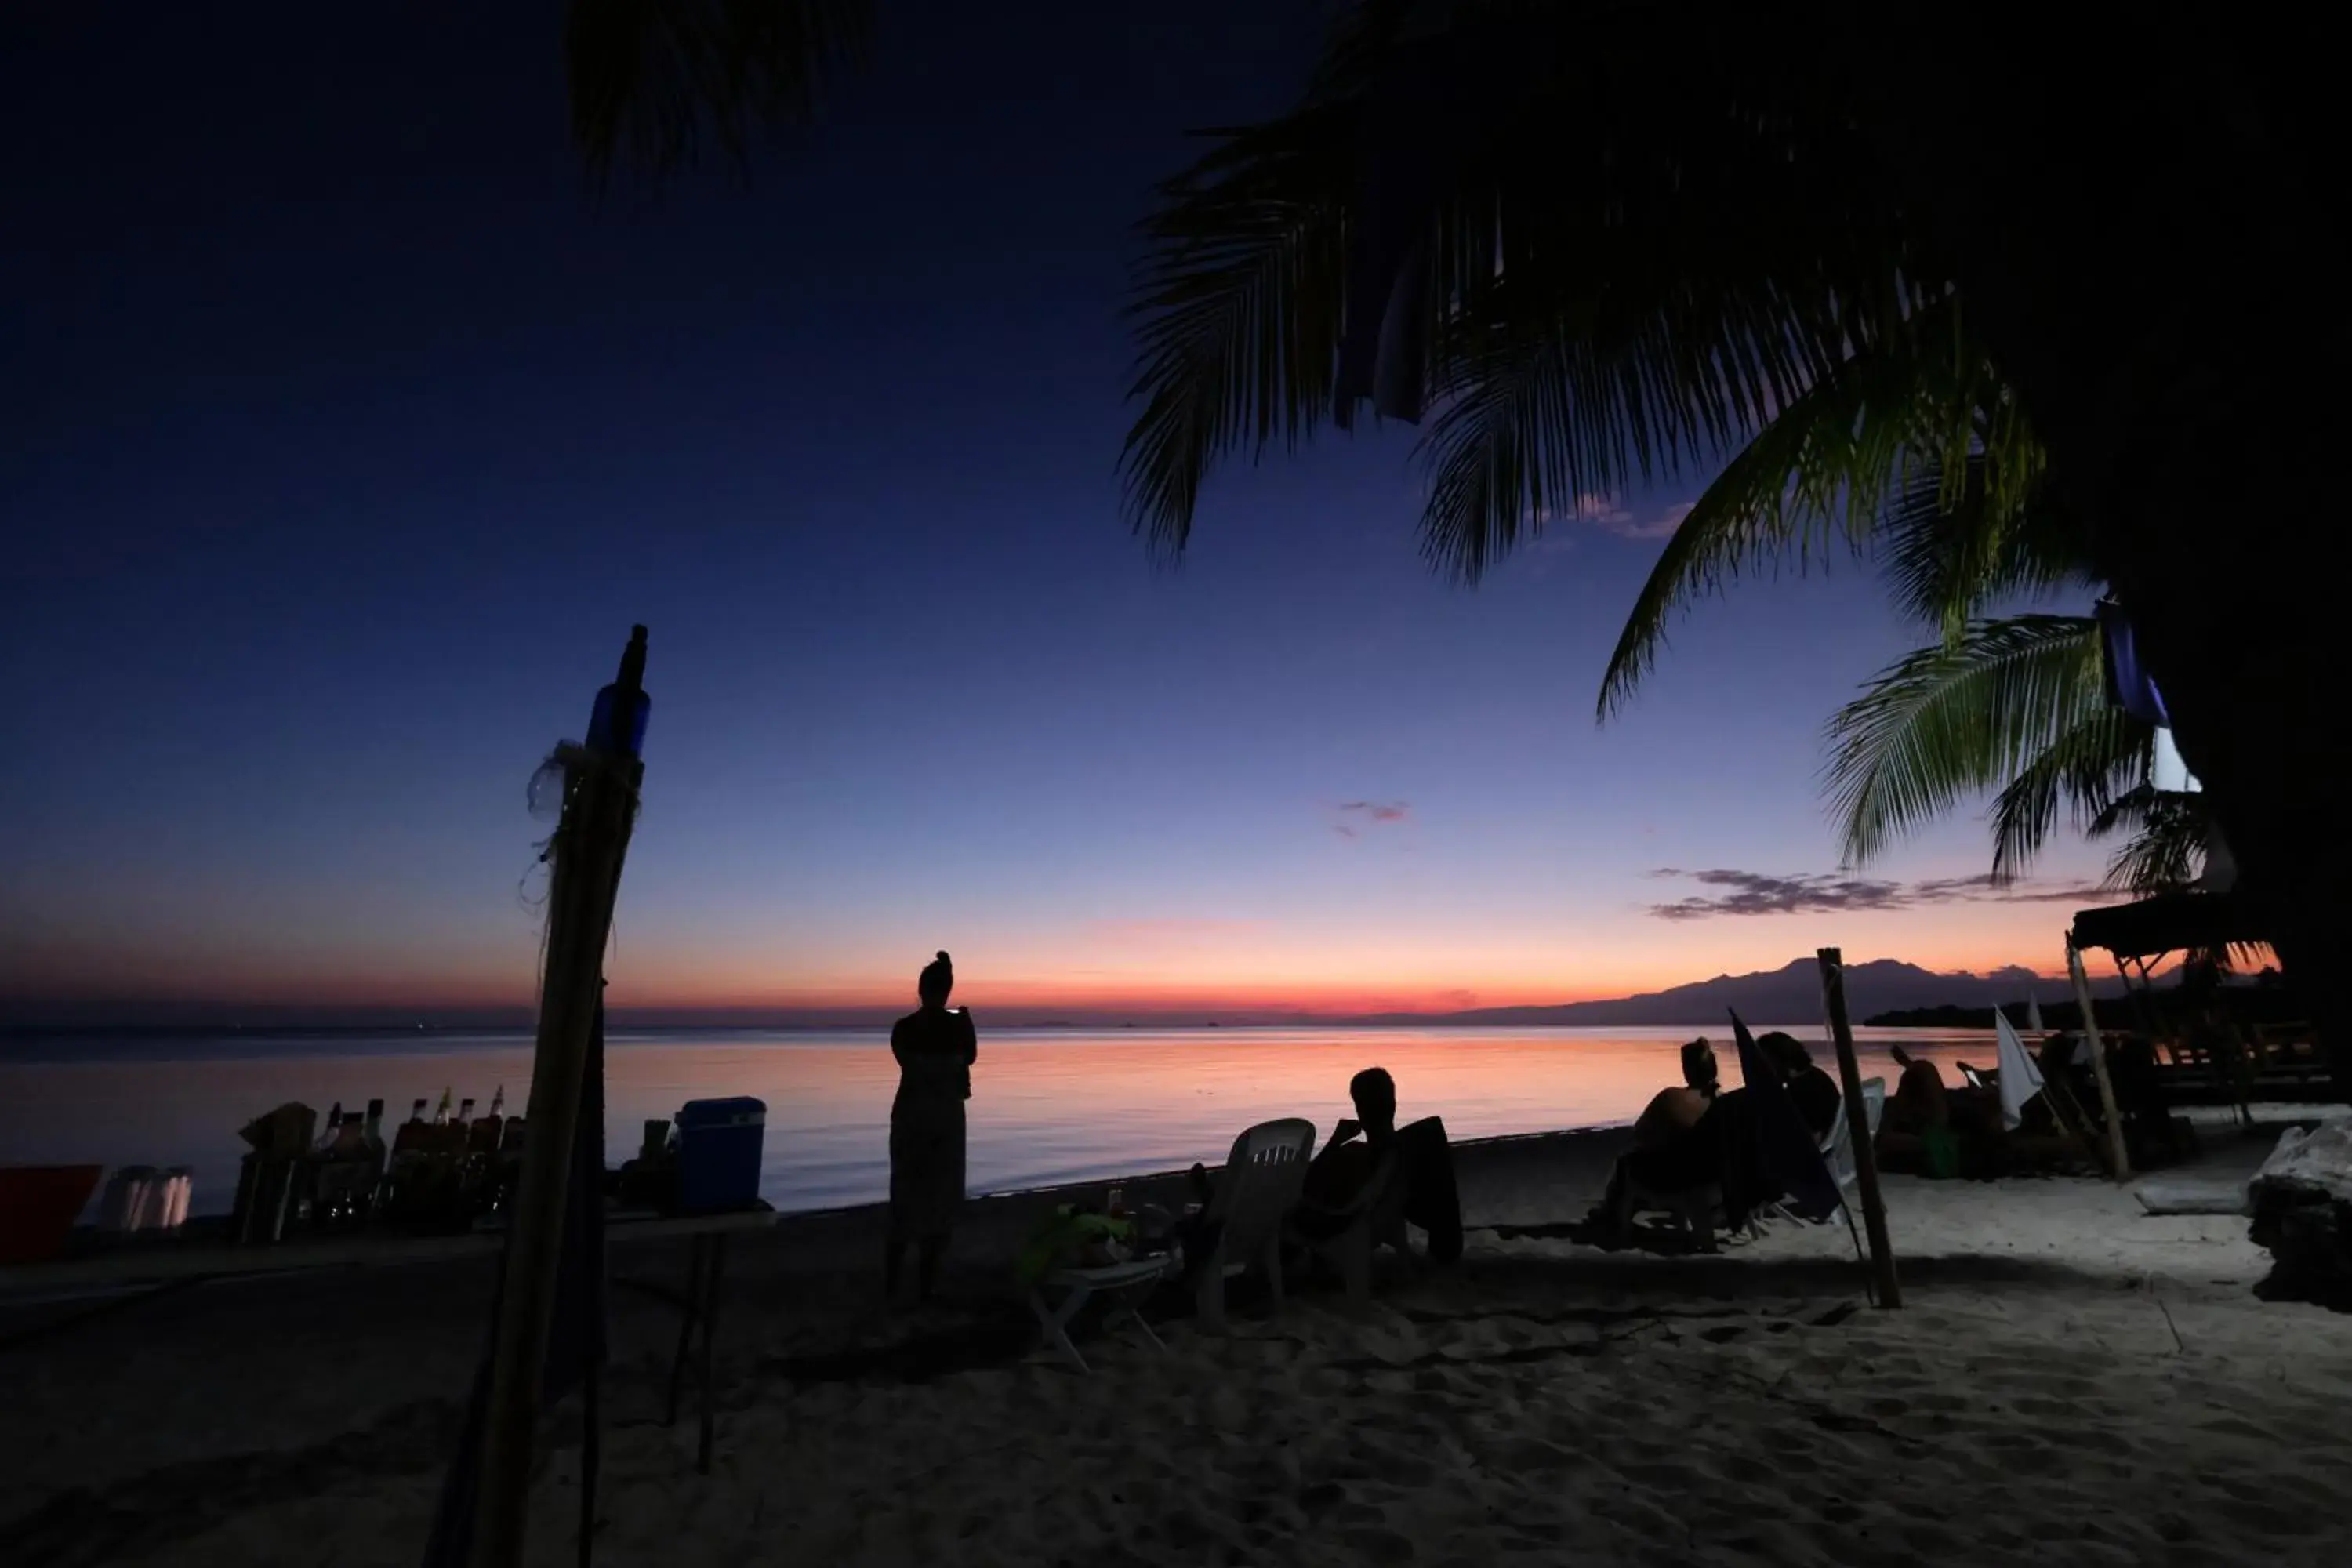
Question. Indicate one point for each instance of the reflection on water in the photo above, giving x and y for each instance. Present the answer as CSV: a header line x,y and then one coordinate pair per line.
x,y
1047,1106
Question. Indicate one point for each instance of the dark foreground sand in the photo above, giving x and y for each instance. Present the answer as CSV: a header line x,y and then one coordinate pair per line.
x,y
2074,1381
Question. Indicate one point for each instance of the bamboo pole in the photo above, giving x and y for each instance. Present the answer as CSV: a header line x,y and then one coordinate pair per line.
x,y
1857,1121
590,842
2119,1160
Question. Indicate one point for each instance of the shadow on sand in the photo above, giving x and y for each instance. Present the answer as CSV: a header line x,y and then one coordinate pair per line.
x,y
1617,1294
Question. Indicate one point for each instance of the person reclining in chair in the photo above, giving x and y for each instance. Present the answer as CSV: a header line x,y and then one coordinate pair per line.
x,y
1337,1174
1671,1153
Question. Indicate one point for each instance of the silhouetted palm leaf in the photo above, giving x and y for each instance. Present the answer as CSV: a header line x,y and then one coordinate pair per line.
x,y
2016,705
648,77
1946,556
2165,851
1241,302
1585,326
2103,754
1912,443
1818,475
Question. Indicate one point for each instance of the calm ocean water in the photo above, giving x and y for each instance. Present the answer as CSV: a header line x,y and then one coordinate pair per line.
x,y
1047,1106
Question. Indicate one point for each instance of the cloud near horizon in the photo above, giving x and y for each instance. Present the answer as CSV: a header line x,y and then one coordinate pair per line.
x,y
1757,893
1358,816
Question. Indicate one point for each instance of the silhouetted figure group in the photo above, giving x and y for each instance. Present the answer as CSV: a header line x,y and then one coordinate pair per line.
x,y
935,1047
1945,1131
1696,1136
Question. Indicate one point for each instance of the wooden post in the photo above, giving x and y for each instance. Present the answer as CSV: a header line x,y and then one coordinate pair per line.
x,y
2119,1160
1857,1121
590,844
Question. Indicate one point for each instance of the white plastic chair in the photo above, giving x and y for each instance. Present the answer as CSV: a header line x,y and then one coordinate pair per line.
x,y
1258,1186
1124,1283
1345,1236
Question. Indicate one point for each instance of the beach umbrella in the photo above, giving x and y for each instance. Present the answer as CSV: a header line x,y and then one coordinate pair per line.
x,y
2021,1080
2033,1015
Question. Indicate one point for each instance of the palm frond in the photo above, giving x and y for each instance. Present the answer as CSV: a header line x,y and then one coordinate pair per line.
x,y
2084,768
2166,849
1956,538
1945,724
648,78
1584,326
1591,331
1539,410
1241,304
1819,474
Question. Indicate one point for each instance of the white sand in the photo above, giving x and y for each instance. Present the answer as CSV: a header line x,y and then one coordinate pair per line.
x,y
2072,1381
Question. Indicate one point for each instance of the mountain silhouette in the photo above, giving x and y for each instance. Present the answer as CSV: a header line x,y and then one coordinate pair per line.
x,y
1791,994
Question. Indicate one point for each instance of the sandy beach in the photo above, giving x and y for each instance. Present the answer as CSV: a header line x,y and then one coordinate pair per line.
x,y
2072,1381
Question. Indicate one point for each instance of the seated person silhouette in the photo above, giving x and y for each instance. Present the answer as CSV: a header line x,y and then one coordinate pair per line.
x,y
1815,1092
1919,1101
1425,1164
1924,1118
1342,1166
1672,1152
1675,1109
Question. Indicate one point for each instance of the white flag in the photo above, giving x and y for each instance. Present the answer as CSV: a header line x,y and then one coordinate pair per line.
x,y
2167,773
2020,1080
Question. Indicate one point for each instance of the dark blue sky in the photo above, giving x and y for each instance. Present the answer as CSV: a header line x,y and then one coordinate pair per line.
x,y
346,433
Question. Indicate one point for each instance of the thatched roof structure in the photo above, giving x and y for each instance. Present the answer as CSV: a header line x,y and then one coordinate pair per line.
x,y
2171,923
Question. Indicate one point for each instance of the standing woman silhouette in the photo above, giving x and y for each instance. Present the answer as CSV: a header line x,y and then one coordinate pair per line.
x,y
935,1046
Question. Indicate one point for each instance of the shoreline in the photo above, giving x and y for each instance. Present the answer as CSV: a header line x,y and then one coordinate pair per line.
x,y
1056,1109
1028,1203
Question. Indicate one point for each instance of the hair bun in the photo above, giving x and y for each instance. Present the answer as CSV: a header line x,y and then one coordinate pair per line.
x,y
943,956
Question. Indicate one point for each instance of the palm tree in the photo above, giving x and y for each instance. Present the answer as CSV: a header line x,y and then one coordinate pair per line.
x,y
1598,245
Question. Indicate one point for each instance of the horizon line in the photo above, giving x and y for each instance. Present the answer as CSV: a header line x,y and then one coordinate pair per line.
x,y
56,1011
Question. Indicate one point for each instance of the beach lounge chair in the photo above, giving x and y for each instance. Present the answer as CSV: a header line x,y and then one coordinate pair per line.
x,y
1837,1150
1061,1295
1347,1235
1699,1210
1256,1190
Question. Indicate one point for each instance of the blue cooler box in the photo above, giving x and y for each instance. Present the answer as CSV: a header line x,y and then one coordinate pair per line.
x,y
718,1153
